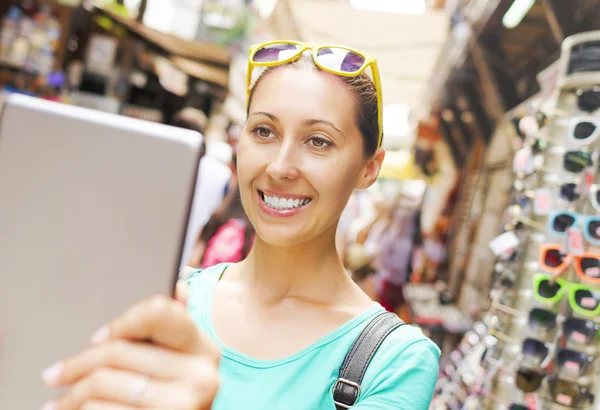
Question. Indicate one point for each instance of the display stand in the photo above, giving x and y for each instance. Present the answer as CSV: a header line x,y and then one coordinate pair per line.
x,y
536,345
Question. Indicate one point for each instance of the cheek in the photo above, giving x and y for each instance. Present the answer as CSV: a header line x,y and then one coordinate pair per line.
x,y
336,181
248,161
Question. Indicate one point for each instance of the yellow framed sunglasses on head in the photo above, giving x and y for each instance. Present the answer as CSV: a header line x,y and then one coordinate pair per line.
x,y
338,60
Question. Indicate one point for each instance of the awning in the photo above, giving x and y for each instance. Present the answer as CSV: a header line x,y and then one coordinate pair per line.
x,y
206,72
194,50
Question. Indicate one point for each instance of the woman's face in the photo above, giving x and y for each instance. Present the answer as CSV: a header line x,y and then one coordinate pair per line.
x,y
300,155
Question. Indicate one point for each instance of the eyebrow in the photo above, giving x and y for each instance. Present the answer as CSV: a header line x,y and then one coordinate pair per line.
x,y
307,123
266,114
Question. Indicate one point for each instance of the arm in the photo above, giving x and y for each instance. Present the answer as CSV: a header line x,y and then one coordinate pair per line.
x,y
406,382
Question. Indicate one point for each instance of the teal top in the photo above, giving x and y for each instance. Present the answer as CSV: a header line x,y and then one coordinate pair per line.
x,y
402,375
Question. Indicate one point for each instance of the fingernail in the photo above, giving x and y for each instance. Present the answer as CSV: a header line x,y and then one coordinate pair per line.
x,y
51,375
50,405
101,335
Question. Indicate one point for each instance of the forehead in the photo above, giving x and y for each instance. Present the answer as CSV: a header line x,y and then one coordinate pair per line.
x,y
305,93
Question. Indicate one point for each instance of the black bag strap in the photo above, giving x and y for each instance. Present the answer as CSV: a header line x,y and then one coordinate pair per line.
x,y
347,387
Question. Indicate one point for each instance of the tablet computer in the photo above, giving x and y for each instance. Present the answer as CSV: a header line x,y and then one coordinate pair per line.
x,y
93,213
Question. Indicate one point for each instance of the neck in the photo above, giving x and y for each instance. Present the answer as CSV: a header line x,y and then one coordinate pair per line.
x,y
310,271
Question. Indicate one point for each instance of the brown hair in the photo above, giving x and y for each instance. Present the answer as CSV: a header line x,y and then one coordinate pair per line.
x,y
366,101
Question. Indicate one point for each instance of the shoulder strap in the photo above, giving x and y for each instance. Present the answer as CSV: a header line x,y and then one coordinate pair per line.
x,y
347,387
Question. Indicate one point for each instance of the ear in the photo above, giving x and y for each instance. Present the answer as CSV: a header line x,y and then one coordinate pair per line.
x,y
371,170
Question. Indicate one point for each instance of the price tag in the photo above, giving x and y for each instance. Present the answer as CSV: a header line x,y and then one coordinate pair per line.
x,y
541,202
588,179
523,161
572,366
531,400
588,303
574,241
564,399
593,272
504,243
578,337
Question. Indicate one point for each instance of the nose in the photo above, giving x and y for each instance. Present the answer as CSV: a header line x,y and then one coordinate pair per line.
x,y
283,164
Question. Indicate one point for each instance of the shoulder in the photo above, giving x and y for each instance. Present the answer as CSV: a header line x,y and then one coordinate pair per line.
x,y
403,372
406,342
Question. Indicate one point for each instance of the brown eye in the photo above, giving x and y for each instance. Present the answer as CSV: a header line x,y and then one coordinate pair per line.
x,y
319,142
262,132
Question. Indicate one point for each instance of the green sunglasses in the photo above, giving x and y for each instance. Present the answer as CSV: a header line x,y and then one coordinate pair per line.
x,y
583,299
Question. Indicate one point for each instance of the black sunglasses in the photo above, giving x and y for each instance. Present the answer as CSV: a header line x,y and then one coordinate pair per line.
x,y
534,348
577,161
570,192
580,331
542,319
588,100
573,363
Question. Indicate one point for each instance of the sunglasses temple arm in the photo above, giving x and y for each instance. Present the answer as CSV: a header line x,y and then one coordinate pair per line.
x,y
509,310
248,80
504,338
535,225
377,83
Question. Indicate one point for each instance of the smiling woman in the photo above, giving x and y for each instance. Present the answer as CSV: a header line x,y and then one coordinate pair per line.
x,y
272,331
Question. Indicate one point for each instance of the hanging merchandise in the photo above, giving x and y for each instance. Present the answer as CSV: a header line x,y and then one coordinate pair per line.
x,y
536,346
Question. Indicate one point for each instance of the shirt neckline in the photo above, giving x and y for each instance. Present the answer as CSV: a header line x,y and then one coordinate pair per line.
x,y
242,358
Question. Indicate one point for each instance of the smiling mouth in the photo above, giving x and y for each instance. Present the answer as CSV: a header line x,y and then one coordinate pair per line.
x,y
284,204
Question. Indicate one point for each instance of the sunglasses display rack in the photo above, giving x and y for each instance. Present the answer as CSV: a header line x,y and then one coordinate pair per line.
x,y
537,346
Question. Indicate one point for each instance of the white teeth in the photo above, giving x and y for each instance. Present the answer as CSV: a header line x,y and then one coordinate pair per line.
x,y
284,203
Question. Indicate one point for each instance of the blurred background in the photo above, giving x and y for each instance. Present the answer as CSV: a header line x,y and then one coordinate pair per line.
x,y
467,84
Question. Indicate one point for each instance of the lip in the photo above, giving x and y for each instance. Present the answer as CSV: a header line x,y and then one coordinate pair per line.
x,y
280,213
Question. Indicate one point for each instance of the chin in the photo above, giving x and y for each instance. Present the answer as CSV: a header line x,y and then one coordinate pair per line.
x,y
282,236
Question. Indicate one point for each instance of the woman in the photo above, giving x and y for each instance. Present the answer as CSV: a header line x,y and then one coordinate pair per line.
x,y
271,331
227,236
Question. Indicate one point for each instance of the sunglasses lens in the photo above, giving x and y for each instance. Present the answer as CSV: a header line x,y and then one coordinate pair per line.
x,y
547,289
576,161
553,259
565,393
340,59
535,349
572,362
568,192
589,100
579,330
275,52
562,222
542,319
584,130
593,228
529,381
590,267
587,299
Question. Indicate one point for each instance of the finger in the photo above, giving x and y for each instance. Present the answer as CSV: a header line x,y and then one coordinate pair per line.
x,y
163,321
130,389
143,358
105,405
